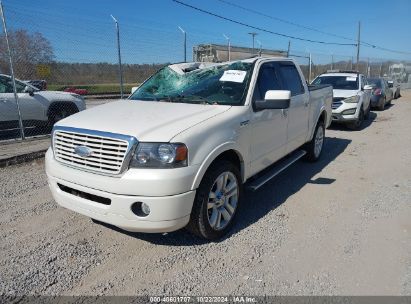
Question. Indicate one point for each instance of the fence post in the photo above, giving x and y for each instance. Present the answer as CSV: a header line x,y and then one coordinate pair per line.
x,y
12,71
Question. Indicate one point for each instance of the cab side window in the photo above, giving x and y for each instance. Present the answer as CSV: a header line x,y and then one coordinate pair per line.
x,y
291,79
5,85
267,80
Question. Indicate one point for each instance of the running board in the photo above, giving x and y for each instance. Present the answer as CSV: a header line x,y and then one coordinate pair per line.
x,y
277,168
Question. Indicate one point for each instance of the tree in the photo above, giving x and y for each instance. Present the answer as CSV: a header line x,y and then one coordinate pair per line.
x,y
32,54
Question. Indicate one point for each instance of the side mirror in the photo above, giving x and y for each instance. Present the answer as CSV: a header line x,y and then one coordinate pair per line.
x,y
368,87
274,99
390,83
133,89
29,90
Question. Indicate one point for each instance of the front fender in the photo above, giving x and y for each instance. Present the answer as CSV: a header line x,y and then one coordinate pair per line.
x,y
212,156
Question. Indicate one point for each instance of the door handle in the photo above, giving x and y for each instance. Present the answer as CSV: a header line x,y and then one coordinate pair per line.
x,y
284,112
306,103
3,100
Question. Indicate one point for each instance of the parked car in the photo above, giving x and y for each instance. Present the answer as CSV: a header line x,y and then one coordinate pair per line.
x,y
38,108
351,101
178,152
41,85
76,91
395,87
381,93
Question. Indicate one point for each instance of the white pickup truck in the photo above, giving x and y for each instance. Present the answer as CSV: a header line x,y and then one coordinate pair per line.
x,y
352,96
179,150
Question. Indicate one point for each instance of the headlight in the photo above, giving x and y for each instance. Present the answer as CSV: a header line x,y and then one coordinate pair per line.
x,y
353,99
159,155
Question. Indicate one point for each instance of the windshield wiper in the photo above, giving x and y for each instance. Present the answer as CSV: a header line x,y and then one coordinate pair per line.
x,y
194,99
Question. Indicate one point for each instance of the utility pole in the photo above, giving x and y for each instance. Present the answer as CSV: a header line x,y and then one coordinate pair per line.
x,y
12,72
352,59
358,45
120,68
253,34
332,61
288,49
310,69
185,43
368,67
228,46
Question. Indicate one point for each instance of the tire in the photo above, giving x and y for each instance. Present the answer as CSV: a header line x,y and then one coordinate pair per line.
x,y
214,212
381,106
355,125
60,111
314,148
367,113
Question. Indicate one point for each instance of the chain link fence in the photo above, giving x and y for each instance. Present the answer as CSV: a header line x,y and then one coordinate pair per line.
x,y
61,70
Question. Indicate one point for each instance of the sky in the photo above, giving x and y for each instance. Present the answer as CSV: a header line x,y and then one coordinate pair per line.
x,y
83,31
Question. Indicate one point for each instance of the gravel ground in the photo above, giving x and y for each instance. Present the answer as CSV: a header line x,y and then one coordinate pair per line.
x,y
341,226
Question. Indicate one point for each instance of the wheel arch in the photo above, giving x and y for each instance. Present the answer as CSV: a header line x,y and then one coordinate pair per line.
x,y
227,151
60,103
322,116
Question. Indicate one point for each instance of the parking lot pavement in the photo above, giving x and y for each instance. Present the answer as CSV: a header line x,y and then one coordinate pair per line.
x,y
341,226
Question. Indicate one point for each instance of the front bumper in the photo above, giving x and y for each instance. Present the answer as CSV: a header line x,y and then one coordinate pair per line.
x,y
168,211
339,114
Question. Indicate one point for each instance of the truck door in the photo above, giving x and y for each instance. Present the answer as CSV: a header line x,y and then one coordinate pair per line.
x,y
298,113
269,126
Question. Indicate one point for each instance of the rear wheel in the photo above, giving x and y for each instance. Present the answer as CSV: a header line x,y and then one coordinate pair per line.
x,y
217,200
315,146
381,106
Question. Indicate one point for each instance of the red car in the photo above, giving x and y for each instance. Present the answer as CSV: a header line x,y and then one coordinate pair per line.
x,y
76,91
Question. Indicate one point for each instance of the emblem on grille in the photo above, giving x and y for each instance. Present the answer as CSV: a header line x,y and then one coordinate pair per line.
x,y
83,151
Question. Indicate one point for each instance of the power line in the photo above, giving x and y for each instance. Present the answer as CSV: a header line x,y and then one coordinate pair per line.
x,y
259,28
364,43
283,20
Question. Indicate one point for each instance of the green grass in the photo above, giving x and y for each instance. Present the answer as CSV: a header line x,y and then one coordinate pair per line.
x,y
92,89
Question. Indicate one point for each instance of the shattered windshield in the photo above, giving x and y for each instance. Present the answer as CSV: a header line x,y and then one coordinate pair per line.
x,y
224,84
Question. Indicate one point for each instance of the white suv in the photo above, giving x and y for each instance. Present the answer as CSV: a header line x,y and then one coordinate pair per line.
x,y
352,94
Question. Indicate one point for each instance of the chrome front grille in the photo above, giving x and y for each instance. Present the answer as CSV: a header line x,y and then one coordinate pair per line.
x,y
108,152
336,102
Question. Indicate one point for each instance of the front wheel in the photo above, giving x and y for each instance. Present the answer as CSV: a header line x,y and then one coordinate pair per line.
x,y
315,146
355,125
367,113
217,200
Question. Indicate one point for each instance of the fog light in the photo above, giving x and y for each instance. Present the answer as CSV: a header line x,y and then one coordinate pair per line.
x,y
140,209
349,112
145,208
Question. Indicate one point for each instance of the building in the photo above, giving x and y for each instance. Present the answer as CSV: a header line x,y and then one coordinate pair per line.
x,y
219,53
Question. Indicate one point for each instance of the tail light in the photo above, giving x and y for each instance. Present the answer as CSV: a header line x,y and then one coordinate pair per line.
x,y
377,92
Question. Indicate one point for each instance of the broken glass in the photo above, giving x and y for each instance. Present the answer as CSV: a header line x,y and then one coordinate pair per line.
x,y
224,84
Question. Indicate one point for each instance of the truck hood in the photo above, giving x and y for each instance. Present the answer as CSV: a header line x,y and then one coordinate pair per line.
x,y
344,93
146,120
